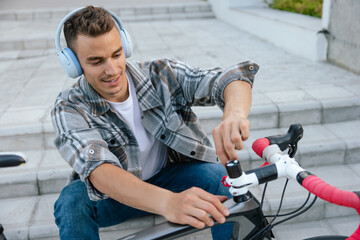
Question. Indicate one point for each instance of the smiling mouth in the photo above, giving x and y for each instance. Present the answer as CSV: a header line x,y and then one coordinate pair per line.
x,y
111,81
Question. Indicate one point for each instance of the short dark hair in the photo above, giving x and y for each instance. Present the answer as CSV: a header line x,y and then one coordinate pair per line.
x,y
90,21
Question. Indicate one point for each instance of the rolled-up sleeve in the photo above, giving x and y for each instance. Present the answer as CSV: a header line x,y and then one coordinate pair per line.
x,y
244,71
201,87
80,145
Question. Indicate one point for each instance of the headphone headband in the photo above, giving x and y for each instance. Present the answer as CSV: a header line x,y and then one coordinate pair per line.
x,y
68,59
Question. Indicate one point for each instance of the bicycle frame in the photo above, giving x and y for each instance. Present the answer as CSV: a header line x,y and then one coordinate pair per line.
x,y
246,216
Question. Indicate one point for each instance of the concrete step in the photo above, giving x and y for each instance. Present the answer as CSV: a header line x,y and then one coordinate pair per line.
x,y
38,26
45,172
343,226
306,105
31,217
36,132
130,12
335,144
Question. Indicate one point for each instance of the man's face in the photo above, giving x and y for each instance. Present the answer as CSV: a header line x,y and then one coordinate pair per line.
x,y
102,59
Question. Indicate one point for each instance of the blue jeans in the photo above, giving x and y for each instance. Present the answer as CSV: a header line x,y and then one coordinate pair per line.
x,y
80,218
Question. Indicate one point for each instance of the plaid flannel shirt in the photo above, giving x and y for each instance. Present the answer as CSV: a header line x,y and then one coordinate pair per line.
x,y
89,132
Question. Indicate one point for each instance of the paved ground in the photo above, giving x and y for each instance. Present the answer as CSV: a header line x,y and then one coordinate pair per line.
x,y
41,4
283,81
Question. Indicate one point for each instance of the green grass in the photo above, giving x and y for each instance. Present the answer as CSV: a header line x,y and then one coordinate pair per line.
x,y
306,7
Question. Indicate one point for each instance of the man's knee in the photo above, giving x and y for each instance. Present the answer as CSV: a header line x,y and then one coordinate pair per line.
x,y
73,200
213,171
211,175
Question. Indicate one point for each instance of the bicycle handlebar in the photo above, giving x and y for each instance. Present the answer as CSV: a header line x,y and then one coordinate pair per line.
x,y
334,195
11,159
312,183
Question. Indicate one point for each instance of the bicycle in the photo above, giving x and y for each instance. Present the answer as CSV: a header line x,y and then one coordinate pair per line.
x,y
10,159
246,212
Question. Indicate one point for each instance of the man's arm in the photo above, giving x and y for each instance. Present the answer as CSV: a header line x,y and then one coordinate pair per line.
x,y
234,128
81,147
188,207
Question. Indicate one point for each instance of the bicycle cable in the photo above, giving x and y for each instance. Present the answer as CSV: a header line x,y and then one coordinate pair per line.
x,y
293,214
284,214
296,210
263,196
297,214
271,225
267,228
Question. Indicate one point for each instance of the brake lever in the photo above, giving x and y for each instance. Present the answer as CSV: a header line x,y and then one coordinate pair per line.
x,y
288,140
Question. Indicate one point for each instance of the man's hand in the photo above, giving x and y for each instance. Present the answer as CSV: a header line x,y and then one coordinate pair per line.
x,y
194,207
229,135
191,206
235,127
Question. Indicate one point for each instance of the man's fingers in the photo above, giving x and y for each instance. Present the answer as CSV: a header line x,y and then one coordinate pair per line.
x,y
222,198
245,130
208,210
219,147
236,138
239,133
231,137
187,211
194,222
203,206
202,215
216,209
197,208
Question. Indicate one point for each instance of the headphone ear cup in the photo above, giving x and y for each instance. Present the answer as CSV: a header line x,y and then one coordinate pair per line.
x,y
126,42
70,63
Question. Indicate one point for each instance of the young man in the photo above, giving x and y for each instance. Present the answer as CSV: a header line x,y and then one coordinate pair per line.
x,y
128,131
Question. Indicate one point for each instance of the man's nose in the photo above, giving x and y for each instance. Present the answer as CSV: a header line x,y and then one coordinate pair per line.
x,y
111,67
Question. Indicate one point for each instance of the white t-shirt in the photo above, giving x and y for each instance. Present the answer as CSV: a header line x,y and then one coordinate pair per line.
x,y
153,153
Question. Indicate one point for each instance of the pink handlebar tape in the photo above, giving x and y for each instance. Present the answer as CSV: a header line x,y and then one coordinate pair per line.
x,y
259,146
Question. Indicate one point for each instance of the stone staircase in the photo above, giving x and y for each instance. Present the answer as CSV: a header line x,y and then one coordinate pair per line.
x,y
10,21
288,89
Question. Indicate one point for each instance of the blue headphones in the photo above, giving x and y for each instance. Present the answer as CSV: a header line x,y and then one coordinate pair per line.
x,y
68,59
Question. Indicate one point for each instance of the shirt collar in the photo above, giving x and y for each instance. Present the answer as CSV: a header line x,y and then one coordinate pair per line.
x,y
144,89
145,92
98,105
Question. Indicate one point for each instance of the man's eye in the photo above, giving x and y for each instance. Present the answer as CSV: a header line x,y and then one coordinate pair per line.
x,y
117,55
96,63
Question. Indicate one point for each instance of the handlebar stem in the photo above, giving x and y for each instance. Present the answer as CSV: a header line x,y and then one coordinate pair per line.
x,y
240,185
